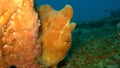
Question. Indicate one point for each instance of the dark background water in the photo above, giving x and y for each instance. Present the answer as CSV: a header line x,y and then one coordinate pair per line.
x,y
84,10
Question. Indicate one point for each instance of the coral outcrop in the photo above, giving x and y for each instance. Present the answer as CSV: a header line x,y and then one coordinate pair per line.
x,y
55,33
26,44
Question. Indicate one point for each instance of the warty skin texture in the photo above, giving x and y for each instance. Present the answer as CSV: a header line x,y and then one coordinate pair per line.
x,y
19,29
55,33
21,35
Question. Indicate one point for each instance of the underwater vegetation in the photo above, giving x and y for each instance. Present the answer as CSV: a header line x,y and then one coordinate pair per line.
x,y
96,44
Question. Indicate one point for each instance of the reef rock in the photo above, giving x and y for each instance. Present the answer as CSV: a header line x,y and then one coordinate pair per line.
x,y
19,25
55,34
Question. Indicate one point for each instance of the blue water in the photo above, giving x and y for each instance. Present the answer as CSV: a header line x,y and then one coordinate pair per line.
x,y
85,10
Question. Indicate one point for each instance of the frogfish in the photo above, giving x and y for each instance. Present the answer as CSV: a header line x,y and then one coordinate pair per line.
x,y
55,34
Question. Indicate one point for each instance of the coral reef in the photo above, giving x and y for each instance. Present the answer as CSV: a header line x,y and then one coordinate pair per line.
x,y
26,44
115,13
95,47
108,21
55,33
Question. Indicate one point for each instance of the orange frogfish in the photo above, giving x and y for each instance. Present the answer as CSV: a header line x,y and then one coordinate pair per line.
x,y
18,34
55,34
